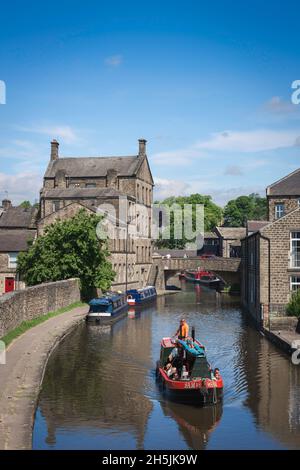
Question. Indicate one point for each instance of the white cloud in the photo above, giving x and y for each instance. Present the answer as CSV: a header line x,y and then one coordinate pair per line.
x,y
20,187
250,141
114,60
276,105
253,141
169,187
54,132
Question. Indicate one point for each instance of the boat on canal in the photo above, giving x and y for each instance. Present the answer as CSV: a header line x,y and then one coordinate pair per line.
x,y
201,277
140,296
193,381
108,308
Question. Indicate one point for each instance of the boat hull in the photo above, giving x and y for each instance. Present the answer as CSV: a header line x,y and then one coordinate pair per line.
x,y
104,319
201,391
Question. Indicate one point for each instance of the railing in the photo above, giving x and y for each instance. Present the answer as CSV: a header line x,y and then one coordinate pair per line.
x,y
277,310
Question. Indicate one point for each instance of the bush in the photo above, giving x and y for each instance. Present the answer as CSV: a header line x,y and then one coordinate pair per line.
x,y
293,307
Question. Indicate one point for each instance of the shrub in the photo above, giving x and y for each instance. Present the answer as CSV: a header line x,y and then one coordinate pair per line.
x,y
293,307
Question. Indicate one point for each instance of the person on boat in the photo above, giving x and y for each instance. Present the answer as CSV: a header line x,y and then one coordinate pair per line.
x,y
183,330
217,374
170,371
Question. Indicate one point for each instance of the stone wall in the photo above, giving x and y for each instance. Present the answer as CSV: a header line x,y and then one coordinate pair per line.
x,y
290,204
33,302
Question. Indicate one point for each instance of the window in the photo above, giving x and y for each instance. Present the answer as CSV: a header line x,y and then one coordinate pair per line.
x,y
12,260
295,250
279,210
90,185
56,206
294,283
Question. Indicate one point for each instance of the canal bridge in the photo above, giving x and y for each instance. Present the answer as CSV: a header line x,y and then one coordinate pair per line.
x,y
228,269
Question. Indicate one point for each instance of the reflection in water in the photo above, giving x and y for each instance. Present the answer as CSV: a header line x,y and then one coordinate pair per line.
x,y
99,389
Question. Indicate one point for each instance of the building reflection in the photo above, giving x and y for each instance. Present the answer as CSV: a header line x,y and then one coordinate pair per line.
x,y
273,389
96,380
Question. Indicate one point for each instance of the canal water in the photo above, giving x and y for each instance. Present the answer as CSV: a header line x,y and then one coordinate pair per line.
x,y
99,389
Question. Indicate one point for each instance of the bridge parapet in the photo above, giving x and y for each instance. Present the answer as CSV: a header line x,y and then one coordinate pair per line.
x,y
227,268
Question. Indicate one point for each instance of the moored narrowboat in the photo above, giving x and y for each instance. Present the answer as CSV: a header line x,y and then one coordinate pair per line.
x,y
139,296
107,308
185,373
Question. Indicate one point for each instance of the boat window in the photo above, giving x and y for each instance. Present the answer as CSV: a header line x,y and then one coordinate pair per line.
x,y
98,308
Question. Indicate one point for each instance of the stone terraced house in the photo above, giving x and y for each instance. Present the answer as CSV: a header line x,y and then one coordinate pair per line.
x,y
271,252
121,188
17,228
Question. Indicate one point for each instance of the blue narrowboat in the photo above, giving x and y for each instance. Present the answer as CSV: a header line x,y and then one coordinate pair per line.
x,y
108,308
139,296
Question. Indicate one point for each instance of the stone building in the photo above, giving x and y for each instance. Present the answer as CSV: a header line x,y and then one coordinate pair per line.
x,y
121,188
271,252
230,241
17,228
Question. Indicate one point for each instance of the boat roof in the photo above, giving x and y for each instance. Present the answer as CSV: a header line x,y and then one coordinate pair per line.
x,y
192,347
168,343
142,289
106,299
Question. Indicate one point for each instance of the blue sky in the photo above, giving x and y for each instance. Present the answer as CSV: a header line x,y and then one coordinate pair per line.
x,y
208,84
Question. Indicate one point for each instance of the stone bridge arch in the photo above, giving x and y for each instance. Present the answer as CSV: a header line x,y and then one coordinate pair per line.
x,y
228,269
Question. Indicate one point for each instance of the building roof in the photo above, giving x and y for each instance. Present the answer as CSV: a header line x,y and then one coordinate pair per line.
x,y
18,217
231,233
210,235
73,193
15,240
177,253
287,186
255,225
84,167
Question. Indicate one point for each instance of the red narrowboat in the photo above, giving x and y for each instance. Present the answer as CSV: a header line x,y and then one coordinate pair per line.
x,y
185,373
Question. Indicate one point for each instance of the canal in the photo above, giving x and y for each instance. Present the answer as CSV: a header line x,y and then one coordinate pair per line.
x,y
99,389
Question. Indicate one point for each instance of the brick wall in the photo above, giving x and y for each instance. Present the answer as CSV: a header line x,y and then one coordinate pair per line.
x,y
33,302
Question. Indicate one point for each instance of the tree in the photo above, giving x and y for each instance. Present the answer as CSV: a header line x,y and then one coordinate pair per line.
x,y
69,248
28,205
293,307
212,217
239,210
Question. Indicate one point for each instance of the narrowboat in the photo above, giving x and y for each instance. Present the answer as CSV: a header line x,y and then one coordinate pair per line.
x,y
108,308
203,277
185,374
139,296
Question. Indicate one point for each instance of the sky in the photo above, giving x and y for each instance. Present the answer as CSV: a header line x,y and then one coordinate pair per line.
x,y
208,84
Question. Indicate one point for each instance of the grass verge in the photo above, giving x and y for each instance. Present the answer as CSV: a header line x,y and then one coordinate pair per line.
x,y
26,325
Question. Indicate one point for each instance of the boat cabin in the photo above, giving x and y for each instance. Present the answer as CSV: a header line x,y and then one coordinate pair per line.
x,y
140,295
192,354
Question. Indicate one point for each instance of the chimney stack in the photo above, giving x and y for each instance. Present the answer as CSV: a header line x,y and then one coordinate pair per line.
x,y
142,147
6,204
54,150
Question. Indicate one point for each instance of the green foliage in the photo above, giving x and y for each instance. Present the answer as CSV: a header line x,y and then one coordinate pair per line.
x,y
28,205
69,248
293,307
212,217
239,210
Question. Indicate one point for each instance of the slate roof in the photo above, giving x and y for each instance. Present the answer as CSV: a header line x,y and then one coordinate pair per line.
x,y
231,233
15,240
210,235
18,217
256,225
73,193
85,167
287,186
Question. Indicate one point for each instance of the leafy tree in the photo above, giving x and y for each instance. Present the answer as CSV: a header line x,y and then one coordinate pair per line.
x,y
212,217
239,210
69,248
293,307
28,205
